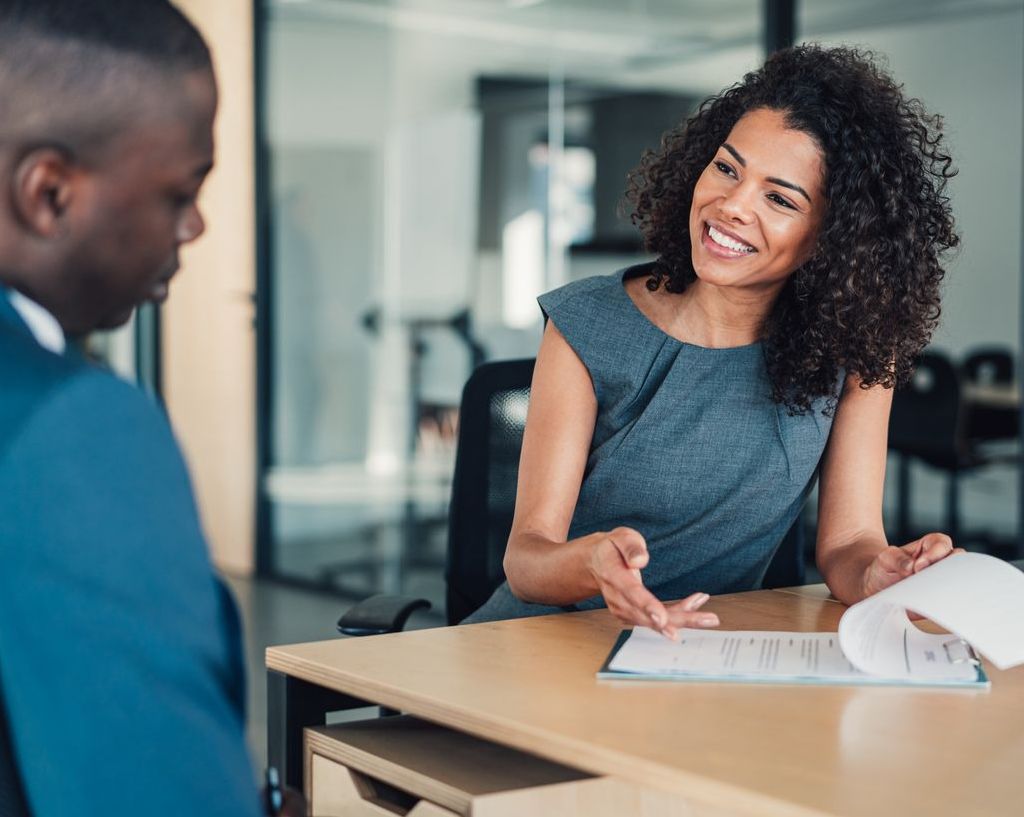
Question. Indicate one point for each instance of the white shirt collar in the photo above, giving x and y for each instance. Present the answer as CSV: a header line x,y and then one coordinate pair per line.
x,y
40,322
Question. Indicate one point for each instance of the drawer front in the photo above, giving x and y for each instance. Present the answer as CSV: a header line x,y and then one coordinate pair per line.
x,y
403,766
336,791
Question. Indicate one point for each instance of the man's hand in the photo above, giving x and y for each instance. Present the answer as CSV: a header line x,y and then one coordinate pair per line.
x,y
615,564
895,563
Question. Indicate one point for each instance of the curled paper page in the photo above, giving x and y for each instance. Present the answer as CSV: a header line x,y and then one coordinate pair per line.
x,y
978,598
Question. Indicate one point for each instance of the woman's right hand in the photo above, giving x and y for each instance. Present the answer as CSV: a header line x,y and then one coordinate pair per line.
x,y
615,563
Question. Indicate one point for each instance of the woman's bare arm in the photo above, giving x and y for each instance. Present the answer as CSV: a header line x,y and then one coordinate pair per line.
x,y
540,564
852,551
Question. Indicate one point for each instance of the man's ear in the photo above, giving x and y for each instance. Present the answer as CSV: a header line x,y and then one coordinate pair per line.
x,y
43,187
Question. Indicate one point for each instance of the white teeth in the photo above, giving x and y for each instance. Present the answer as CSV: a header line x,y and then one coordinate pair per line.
x,y
729,243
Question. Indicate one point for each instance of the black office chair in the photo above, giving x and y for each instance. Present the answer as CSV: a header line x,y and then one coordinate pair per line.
x,y
12,796
927,423
989,366
491,422
492,418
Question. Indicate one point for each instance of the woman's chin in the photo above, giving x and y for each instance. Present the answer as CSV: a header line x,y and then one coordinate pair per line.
x,y
718,275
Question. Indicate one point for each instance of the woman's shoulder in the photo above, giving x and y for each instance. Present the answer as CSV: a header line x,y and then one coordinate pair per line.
x,y
580,288
597,319
605,289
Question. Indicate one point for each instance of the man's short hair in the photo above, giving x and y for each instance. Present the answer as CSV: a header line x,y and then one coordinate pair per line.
x,y
78,73
153,30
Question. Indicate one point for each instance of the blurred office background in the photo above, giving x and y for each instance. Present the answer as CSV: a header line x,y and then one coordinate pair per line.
x,y
397,180
431,167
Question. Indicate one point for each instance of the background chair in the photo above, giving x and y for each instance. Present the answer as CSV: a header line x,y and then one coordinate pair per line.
x,y
987,370
491,422
988,365
928,423
492,418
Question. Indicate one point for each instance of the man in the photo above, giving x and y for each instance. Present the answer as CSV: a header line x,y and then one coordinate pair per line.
x,y
120,665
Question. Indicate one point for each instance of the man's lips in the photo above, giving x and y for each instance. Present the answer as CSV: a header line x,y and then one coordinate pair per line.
x,y
160,292
161,289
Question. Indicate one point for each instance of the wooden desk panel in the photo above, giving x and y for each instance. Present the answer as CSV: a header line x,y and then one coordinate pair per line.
x,y
756,749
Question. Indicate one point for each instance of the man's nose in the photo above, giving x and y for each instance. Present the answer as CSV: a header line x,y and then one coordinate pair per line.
x,y
191,225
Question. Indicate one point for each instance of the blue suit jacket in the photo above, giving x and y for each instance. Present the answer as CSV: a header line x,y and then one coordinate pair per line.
x,y
120,657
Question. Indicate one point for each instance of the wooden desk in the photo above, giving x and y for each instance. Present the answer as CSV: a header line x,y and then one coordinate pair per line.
x,y
721,748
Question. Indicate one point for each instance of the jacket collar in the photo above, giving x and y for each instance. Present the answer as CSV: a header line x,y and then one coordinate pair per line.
x,y
41,326
9,317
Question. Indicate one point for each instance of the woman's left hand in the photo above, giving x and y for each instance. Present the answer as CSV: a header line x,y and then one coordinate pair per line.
x,y
895,563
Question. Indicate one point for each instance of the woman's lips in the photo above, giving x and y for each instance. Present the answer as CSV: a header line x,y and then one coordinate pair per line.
x,y
718,250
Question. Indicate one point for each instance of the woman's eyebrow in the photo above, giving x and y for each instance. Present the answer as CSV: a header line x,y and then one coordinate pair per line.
x,y
781,182
735,154
790,185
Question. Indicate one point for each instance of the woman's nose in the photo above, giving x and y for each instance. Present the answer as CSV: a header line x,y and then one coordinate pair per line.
x,y
738,205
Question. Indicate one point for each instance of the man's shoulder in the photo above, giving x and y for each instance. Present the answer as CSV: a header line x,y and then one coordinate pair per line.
x,y
40,386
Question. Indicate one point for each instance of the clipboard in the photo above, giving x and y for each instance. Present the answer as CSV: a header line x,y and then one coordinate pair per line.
x,y
956,650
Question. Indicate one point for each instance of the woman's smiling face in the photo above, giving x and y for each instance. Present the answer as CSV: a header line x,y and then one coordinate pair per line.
x,y
758,205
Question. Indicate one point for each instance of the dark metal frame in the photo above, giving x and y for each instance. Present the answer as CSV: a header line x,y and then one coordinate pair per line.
x,y
292,705
779,25
1020,376
265,561
149,370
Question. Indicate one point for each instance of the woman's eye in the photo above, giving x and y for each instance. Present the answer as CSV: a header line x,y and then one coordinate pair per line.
x,y
722,167
775,197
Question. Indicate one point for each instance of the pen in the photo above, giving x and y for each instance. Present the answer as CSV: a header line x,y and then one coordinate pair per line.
x,y
274,795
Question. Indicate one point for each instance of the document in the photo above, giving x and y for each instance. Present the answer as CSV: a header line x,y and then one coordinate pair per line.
x,y
978,598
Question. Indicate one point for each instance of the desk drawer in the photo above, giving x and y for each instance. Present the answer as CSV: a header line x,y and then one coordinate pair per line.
x,y
335,790
404,766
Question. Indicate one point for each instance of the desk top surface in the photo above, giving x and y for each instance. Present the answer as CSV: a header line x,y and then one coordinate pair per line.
x,y
768,749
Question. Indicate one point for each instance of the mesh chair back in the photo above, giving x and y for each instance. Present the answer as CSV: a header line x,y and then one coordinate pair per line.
x,y
925,418
12,797
492,417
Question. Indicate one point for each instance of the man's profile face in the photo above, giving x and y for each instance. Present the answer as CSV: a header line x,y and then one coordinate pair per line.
x,y
138,208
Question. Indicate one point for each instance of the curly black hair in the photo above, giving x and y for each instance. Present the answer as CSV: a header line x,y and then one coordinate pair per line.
x,y
867,301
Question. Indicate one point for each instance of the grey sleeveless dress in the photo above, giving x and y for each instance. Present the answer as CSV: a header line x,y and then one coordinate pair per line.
x,y
688,449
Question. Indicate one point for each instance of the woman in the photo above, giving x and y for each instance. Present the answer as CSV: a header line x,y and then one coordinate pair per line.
x,y
681,410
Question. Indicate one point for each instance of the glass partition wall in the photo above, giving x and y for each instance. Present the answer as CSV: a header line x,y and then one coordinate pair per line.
x,y
428,168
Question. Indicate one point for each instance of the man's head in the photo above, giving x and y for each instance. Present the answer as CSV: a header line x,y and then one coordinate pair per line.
x,y
105,139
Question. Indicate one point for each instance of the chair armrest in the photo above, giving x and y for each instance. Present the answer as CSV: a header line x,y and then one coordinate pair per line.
x,y
380,614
